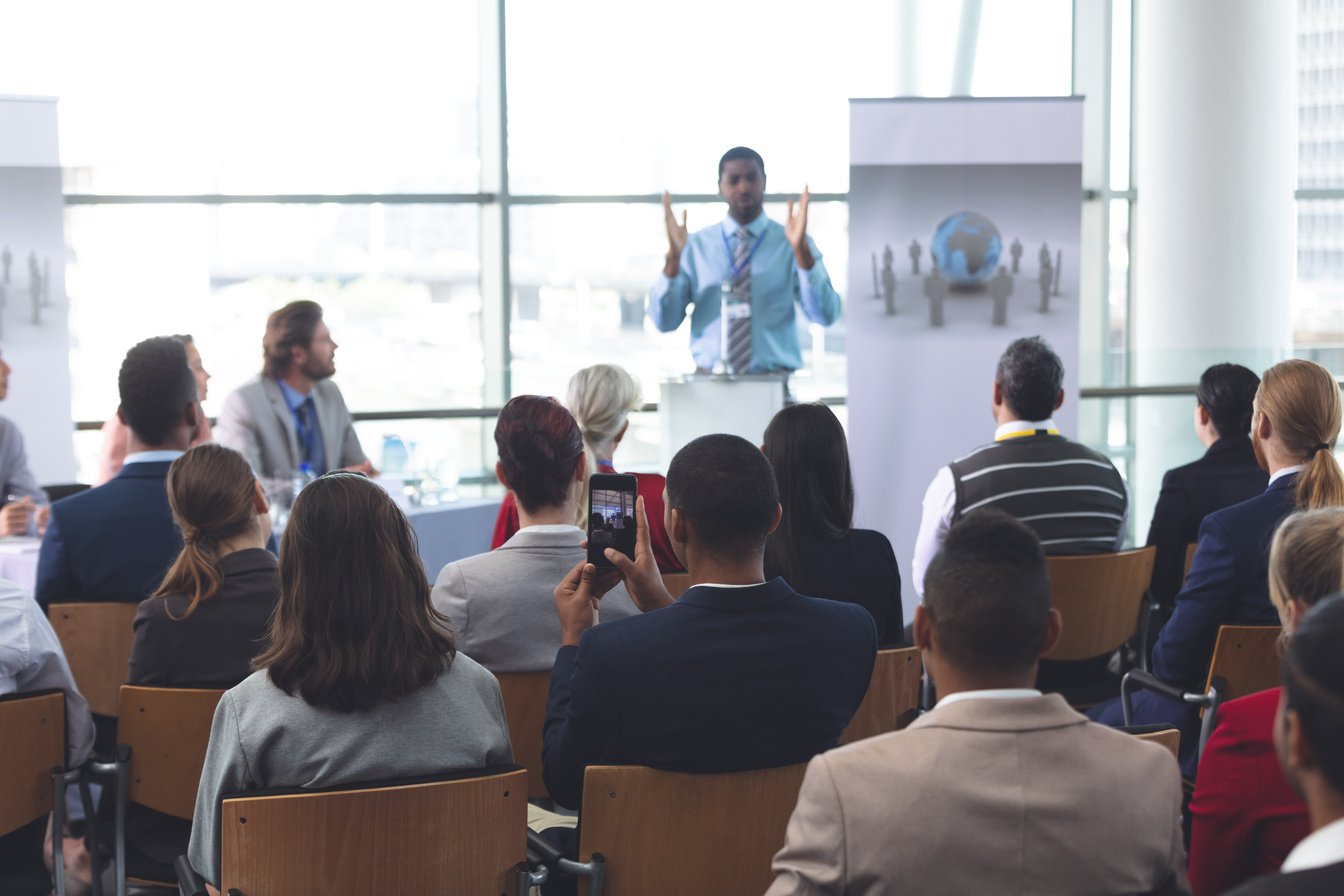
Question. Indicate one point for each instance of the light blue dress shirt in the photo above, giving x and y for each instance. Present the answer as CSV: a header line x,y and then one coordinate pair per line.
x,y
294,398
776,284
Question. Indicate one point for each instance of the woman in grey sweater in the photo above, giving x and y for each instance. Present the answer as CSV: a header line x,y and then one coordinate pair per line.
x,y
362,680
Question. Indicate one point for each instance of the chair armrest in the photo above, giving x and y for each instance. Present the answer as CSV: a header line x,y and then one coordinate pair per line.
x,y
541,851
545,854
189,883
1137,679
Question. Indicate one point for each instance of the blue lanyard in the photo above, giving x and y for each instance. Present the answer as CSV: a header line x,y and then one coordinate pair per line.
x,y
746,262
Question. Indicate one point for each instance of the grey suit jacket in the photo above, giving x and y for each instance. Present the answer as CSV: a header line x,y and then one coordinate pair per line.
x,y
256,421
502,603
1018,795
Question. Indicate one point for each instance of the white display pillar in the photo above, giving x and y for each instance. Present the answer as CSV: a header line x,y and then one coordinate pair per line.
x,y
1215,168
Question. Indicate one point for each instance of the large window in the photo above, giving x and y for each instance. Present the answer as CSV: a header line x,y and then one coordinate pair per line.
x,y
217,167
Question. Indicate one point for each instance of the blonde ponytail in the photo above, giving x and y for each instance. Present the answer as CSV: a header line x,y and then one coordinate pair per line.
x,y
1301,400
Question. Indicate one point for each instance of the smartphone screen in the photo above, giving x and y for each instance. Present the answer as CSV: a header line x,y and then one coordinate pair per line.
x,y
611,516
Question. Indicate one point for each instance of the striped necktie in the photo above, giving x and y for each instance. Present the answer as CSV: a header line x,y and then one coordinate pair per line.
x,y
739,328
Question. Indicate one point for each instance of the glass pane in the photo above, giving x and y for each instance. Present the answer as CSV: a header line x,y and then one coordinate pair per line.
x,y
1318,300
1320,116
1024,48
1117,342
257,98
581,274
400,286
1121,109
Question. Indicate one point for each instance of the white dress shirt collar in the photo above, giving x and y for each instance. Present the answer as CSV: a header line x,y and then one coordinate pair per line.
x,y
1324,846
990,694
1287,471
150,457
1017,426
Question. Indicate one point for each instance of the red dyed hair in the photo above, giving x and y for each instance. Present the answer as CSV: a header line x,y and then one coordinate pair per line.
x,y
539,444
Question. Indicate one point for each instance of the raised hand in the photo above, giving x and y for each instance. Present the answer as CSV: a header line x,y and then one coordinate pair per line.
x,y
643,582
795,230
676,236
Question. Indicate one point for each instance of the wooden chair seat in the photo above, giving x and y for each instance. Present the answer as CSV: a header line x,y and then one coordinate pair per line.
x,y
1098,596
676,583
32,743
893,695
525,696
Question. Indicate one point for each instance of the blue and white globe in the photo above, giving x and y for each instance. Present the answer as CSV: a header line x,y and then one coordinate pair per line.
x,y
967,246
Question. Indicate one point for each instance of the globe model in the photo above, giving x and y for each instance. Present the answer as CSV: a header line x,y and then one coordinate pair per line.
x,y
967,247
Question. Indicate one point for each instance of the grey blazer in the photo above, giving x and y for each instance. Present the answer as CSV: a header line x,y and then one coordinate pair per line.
x,y
256,421
1019,795
502,603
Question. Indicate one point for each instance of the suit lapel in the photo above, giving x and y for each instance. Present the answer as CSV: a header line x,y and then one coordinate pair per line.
x,y
285,416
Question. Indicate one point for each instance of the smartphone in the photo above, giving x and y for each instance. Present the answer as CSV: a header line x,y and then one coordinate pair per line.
x,y
611,516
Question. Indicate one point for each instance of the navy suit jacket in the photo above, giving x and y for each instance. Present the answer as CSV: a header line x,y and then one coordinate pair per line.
x,y
725,679
1227,474
110,543
1228,584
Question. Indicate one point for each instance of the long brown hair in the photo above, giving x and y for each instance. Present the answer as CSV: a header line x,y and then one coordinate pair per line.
x,y
211,491
1301,400
354,626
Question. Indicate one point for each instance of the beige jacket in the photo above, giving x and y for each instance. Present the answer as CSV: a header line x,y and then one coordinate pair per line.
x,y
1012,796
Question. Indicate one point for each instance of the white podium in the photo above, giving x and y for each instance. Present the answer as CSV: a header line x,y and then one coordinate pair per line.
x,y
697,405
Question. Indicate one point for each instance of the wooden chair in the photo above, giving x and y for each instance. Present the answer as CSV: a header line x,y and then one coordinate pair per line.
x,y
162,735
525,696
1189,558
425,838
1164,736
893,695
1099,596
96,638
33,778
725,830
676,583
1245,661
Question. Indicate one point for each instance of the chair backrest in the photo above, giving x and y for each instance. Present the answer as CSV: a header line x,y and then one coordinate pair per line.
x,y
1099,596
167,730
524,696
97,642
676,583
424,839
1246,657
724,828
1189,558
1168,737
32,743
892,698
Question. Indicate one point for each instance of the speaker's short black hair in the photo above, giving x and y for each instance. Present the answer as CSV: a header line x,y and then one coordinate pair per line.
x,y
1030,375
1227,391
1313,685
724,486
741,152
155,385
988,591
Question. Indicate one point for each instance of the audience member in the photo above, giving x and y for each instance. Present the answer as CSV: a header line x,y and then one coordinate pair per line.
x,y
1244,816
361,680
814,547
1071,496
293,414
1294,428
1227,474
1309,735
31,659
113,543
208,619
501,603
998,788
601,399
112,453
738,673
17,515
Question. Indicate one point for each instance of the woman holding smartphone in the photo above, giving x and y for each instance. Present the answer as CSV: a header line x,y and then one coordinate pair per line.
x,y
815,549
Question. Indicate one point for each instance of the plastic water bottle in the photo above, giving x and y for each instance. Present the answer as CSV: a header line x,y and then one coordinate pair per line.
x,y
396,457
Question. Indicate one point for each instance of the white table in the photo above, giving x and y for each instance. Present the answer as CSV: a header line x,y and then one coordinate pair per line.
x,y
18,560
449,532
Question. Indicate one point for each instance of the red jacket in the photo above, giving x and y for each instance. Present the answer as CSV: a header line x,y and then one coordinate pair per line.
x,y
1245,817
651,487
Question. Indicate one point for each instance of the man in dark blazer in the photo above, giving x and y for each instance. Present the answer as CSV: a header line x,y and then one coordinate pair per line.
x,y
1227,474
1309,737
739,673
114,542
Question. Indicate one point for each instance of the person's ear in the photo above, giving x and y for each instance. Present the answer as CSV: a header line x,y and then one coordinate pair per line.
x,y
1293,610
922,628
998,395
677,525
1263,428
1054,627
121,417
499,474
1300,756
259,503
774,522
1059,399
191,415
1203,415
